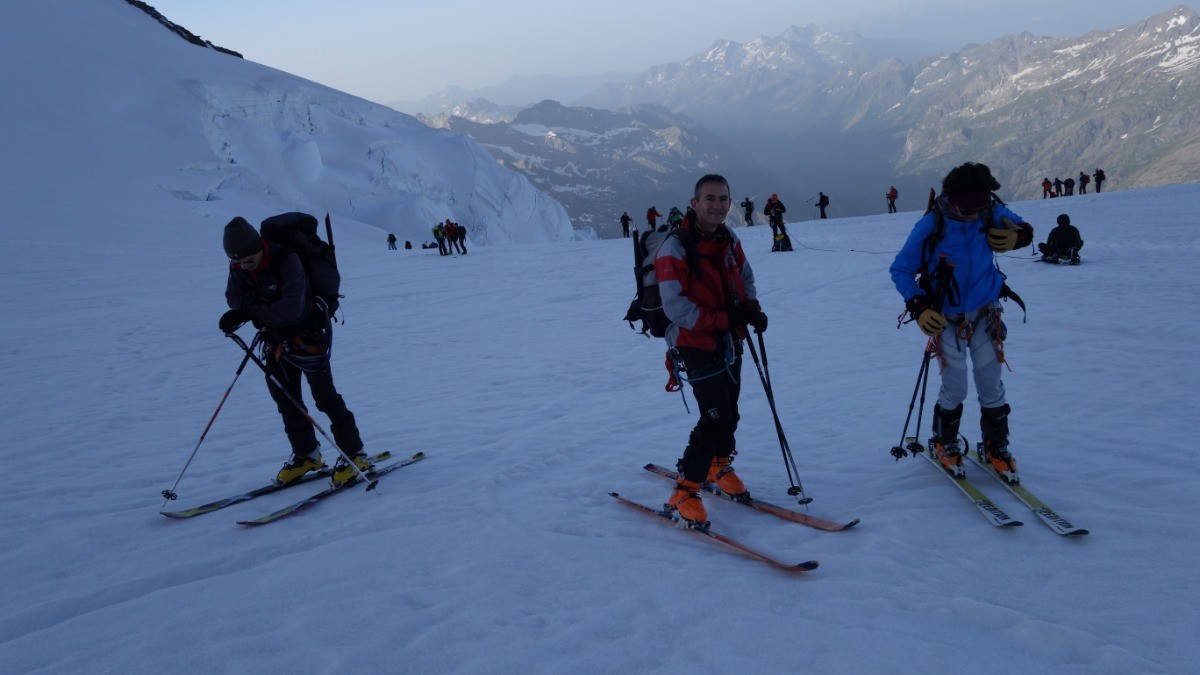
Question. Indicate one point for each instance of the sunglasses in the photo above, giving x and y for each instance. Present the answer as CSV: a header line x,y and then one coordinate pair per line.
x,y
242,261
969,213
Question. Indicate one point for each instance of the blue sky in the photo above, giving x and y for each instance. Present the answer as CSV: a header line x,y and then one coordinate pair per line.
x,y
387,51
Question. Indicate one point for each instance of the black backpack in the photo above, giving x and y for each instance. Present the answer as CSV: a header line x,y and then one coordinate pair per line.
x,y
647,307
298,232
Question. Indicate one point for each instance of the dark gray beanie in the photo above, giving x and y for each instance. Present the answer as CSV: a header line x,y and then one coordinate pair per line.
x,y
241,239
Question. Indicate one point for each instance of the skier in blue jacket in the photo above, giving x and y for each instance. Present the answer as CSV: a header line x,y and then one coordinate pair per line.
x,y
951,286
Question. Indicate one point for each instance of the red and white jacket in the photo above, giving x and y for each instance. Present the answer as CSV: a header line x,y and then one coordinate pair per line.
x,y
695,298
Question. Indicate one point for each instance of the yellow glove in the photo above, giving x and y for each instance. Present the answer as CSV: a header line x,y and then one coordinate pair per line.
x,y
1008,236
931,322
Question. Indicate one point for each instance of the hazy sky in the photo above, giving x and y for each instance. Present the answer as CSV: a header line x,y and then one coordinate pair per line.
x,y
405,49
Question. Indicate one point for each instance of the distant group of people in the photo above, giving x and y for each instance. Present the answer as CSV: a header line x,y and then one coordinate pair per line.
x,y
451,238
674,219
1061,188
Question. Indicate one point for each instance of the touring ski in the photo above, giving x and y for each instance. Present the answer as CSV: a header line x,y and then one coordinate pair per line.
x,y
994,514
265,490
765,507
309,501
1045,513
710,533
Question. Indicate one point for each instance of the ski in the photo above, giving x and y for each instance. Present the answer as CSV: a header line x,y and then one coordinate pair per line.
x,y
710,533
994,514
258,492
309,501
760,505
1047,515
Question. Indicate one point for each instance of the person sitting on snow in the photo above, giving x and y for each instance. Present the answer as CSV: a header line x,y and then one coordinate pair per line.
x,y
1063,243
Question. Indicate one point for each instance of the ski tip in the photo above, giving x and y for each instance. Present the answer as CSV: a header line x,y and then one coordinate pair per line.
x,y
851,524
1077,532
1012,523
806,566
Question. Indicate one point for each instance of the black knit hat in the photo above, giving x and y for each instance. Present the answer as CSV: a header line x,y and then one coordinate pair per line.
x,y
1064,219
241,239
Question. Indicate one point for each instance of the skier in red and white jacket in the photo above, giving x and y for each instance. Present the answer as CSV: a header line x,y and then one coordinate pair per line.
x,y
708,293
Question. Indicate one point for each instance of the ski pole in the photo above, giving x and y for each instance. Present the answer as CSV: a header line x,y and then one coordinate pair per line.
x,y
169,495
901,450
371,484
789,461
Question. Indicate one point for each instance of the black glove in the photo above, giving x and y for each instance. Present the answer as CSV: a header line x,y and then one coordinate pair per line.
x,y
234,318
738,316
916,304
759,322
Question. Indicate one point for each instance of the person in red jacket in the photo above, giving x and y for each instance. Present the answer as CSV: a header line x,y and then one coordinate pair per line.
x,y
708,294
652,216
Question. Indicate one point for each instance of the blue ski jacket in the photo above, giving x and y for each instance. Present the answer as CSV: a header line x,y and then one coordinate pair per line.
x,y
966,247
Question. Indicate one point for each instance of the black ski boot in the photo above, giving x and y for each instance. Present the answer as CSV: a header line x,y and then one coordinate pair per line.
x,y
993,424
944,444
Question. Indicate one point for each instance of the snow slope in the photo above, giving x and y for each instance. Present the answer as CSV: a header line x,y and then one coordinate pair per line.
x,y
502,551
133,122
511,368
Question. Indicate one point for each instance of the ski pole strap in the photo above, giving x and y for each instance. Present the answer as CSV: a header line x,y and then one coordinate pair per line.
x,y
1007,293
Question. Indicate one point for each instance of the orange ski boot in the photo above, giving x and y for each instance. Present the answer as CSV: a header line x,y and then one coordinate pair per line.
x,y
685,500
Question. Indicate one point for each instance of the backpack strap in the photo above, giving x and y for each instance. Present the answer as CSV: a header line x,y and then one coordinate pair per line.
x,y
687,239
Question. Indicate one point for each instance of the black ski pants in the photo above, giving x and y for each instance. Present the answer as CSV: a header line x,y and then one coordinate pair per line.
x,y
716,390
300,431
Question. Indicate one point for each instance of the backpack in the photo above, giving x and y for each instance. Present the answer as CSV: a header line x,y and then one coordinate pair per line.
x,y
926,278
298,232
647,305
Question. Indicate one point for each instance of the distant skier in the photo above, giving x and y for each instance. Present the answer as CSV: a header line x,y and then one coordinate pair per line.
x,y
1058,187
460,238
439,233
891,199
391,240
1069,186
822,203
1047,188
1084,179
1100,178
774,210
625,219
748,211
652,216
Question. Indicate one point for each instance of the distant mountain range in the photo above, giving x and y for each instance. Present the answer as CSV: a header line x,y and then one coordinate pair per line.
x,y
599,163
813,110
